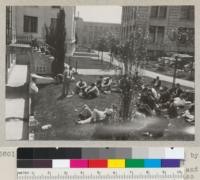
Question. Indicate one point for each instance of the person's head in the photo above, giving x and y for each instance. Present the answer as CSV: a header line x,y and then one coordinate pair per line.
x,y
33,79
157,78
178,85
182,95
114,106
93,84
66,66
70,67
109,111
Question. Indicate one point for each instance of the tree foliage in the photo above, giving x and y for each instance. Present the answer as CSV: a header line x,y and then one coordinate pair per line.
x,y
55,38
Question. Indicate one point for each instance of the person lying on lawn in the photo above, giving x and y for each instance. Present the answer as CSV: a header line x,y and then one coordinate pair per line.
x,y
95,115
106,84
80,86
90,92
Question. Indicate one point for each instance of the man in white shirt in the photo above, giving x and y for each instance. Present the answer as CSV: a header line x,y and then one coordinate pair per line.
x,y
67,78
33,90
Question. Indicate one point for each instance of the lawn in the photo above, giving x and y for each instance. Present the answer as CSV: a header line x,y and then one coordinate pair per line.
x,y
62,114
89,63
169,71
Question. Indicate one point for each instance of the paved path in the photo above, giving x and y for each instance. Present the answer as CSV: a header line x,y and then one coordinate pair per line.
x,y
16,99
151,74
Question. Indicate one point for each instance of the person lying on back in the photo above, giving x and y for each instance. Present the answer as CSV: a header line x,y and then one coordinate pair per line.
x,y
95,115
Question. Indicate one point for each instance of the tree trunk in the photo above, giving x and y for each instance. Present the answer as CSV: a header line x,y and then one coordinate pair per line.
x,y
126,66
111,56
98,54
102,57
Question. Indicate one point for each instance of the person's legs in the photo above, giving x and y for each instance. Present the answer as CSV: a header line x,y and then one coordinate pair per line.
x,y
67,87
92,94
88,120
32,103
64,89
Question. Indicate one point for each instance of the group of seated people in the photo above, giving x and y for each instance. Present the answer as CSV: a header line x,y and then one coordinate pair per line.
x,y
157,99
102,85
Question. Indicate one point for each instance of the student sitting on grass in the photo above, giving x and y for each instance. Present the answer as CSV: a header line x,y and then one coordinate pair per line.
x,y
80,86
99,83
90,92
106,84
95,115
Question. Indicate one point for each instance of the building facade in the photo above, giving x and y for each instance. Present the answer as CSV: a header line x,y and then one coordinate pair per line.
x,y
31,21
161,22
88,33
10,39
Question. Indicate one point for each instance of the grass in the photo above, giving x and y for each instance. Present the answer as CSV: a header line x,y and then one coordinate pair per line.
x,y
62,114
87,63
51,109
169,71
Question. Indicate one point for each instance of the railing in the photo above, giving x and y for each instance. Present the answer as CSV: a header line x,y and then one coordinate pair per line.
x,y
24,39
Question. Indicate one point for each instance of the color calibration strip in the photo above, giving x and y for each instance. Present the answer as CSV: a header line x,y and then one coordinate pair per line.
x,y
109,163
100,153
99,157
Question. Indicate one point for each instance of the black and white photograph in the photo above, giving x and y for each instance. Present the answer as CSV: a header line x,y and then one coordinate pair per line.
x,y
100,73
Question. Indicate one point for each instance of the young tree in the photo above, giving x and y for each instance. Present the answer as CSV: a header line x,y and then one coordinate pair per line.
x,y
102,46
112,42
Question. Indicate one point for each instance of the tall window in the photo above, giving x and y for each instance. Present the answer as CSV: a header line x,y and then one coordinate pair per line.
x,y
187,12
30,24
158,12
154,11
152,32
160,34
162,12
157,34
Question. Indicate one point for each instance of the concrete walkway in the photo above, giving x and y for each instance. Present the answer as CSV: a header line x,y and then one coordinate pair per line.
x,y
151,74
16,103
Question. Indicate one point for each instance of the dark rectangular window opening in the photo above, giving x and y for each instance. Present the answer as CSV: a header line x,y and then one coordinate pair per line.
x,y
154,11
30,24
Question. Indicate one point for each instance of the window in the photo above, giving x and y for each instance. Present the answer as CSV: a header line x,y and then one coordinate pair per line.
x,y
30,24
162,12
160,34
187,12
185,35
158,12
152,31
154,11
157,34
